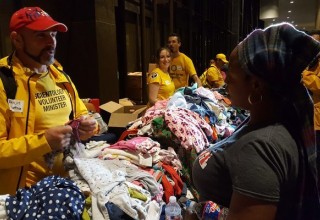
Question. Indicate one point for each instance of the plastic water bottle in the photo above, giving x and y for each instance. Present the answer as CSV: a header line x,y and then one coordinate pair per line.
x,y
173,209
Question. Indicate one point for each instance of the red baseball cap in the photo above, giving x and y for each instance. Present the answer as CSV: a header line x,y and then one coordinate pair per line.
x,y
34,18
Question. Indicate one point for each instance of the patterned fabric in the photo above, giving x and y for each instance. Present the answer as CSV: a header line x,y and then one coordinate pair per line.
x,y
51,198
191,130
279,54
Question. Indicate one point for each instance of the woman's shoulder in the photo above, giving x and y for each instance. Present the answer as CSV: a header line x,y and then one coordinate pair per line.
x,y
272,131
274,136
155,72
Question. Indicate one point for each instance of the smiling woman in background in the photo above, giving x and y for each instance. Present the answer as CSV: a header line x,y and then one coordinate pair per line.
x,y
160,84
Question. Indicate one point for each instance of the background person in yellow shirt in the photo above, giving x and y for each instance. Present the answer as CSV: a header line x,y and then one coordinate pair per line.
x,y
46,98
181,68
160,84
311,80
212,77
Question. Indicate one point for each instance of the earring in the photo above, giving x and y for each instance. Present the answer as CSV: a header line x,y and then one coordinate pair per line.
x,y
249,99
252,103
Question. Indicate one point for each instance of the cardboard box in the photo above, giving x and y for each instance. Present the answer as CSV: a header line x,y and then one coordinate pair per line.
x,y
121,116
126,102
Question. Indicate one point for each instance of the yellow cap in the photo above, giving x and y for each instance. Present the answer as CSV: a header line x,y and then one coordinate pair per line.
x,y
222,57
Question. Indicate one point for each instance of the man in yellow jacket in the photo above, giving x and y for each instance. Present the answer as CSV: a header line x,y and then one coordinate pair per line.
x,y
33,124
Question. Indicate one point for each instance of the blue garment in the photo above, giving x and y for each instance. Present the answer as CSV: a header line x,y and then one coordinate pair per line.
x,y
115,213
51,198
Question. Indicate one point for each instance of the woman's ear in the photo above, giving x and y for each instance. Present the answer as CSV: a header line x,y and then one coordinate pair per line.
x,y
16,40
257,84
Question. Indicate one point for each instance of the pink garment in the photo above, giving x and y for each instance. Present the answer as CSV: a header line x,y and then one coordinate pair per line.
x,y
223,74
217,95
170,157
186,125
129,144
162,104
139,144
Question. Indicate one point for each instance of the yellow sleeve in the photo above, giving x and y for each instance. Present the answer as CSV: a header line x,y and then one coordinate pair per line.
x,y
190,67
213,75
22,150
154,77
81,108
311,80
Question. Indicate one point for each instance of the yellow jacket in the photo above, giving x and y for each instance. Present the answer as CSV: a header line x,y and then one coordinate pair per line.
x,y
19,146
311,80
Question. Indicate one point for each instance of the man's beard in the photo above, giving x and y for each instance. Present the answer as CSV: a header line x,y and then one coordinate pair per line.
x,y
40,56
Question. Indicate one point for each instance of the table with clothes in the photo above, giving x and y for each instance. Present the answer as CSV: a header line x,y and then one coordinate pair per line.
x,y
134,177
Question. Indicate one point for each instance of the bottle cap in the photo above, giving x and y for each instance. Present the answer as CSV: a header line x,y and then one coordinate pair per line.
x,y
172,199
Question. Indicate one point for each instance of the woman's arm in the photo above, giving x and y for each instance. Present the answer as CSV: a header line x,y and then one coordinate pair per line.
x,y
243,207
153,93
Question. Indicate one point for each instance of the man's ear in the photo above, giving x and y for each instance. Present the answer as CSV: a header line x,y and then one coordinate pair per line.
x,y
16,39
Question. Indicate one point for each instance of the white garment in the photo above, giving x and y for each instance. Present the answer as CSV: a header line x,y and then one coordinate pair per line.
x,y
3,210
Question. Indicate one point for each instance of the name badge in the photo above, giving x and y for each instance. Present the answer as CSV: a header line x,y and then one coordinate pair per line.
x,y
16,105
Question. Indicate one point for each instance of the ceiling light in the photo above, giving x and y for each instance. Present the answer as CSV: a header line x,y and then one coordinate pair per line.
x,y
289,11
291,2
288,17
273,19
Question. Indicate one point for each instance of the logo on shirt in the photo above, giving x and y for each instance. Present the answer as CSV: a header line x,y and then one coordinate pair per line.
x,y
154,75
204,157
176,68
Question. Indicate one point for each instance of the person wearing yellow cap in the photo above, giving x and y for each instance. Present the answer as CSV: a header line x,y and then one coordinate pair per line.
x,y
34,121
212,77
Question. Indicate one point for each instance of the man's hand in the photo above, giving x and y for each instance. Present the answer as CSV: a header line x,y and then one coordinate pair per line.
x,y
87,127
58,137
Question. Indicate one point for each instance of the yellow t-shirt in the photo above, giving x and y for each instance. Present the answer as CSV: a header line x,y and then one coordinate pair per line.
x,y
53,108
212,78
167,87
181,69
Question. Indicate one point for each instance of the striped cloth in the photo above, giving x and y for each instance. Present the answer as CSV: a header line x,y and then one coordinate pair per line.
x,y
279,54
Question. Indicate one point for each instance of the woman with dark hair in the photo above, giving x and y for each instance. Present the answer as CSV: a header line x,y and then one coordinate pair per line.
x,y
267,168
160,84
